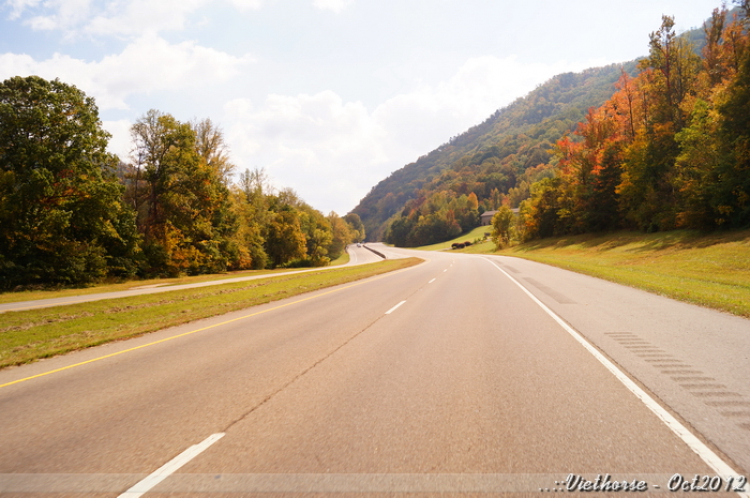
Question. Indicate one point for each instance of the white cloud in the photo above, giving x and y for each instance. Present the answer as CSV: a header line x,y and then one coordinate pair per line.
x,y
122,18
321,146
64,15
245,5
333,5
18,6
430,115
332,152
149,64
135,17
120,143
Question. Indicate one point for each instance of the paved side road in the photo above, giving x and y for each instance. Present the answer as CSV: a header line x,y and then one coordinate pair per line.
x,y
357,256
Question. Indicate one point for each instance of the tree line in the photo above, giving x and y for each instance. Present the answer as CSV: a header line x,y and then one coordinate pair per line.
x,y
438,217
71,213
670,149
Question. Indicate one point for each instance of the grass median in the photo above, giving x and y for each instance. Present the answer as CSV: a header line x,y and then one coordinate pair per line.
x,y
26,336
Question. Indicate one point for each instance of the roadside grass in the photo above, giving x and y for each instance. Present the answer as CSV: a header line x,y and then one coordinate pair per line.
x,y
341,260
26,336
709,270
477,233
14,297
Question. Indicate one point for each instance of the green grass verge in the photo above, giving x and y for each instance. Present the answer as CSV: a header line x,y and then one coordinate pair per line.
x,y
709,270
341,260
477,233
26,336
15,297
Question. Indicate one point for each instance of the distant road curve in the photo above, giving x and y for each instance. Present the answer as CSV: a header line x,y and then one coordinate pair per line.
x,y
358,256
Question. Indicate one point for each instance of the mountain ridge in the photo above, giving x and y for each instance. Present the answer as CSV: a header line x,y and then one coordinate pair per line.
x,y
548,112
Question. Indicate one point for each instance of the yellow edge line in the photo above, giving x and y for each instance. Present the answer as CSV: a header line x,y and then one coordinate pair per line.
x,y
369,279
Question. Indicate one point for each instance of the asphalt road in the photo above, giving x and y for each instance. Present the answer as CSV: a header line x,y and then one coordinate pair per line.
x,y
464,375
357,256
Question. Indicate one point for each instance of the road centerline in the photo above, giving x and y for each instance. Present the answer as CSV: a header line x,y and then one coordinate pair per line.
x,y
394,308
170,467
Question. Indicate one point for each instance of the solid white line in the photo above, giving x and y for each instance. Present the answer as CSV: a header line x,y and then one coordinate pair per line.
x,y
170,467
431,281
394,308
695,444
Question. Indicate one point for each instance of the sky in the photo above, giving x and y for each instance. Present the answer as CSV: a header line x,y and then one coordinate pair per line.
x,y
328,96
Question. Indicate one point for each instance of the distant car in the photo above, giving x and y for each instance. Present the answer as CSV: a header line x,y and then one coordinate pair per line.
x,y
359,245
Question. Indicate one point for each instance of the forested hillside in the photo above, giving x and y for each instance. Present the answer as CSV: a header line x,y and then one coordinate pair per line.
x,y
523,155
494,155
670,149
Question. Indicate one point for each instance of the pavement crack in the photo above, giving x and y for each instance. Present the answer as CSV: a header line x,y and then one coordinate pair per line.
x,y
315,364
270,396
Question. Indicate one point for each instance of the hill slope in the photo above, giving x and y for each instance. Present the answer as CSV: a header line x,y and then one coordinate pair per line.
x,y
496,153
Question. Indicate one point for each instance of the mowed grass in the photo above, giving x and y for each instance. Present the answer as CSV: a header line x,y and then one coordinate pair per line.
x,y
26,336
709,270
33,295
15,297
477,233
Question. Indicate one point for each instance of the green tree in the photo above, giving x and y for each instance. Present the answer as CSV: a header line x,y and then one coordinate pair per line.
x,y
697,168
542,210
398,231
284,241
356,227
732,199
61,216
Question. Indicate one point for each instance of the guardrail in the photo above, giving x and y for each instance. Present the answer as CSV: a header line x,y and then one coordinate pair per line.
x,y
376,252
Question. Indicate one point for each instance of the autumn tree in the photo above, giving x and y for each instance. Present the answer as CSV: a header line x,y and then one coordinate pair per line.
x,y
502,227
668,78
212,149
184,213
341,235
251,202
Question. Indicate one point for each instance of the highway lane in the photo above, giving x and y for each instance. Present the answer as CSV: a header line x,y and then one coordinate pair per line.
x,y
357,256
468,385
695,360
